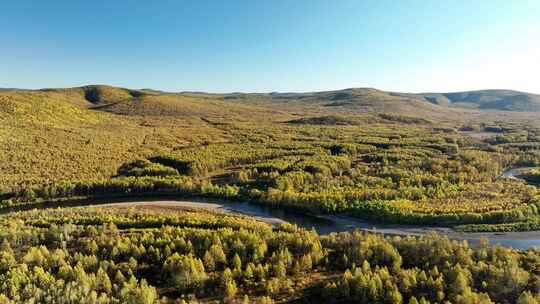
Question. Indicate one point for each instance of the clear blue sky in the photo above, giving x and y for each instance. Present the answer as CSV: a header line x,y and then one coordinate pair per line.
x,y
252,45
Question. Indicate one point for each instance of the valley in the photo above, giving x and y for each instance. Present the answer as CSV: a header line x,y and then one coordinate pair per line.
x,y
100,141
269,152
138,196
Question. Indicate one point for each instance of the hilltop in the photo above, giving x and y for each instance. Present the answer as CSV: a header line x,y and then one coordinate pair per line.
x,y
373,100
341,102
506,100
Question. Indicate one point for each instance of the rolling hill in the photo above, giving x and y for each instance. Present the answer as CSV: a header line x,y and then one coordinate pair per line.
x,y
372,101
503,100
354,101
101,127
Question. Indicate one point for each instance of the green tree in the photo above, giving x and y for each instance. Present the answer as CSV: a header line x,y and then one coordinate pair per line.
x,y
230,290
103,281
133,293
218,256
526,297
237,262
7,260
185,271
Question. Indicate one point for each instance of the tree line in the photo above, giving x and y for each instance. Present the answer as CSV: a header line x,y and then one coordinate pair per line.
x,y
118,256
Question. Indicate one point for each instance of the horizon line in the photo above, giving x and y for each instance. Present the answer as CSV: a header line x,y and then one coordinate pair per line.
x,y
263,92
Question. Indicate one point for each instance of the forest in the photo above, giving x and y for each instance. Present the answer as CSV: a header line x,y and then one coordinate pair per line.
x,y
378,171
172,255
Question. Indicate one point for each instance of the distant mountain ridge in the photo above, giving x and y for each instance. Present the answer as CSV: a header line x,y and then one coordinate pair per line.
x,y
352,100
506,100
503,100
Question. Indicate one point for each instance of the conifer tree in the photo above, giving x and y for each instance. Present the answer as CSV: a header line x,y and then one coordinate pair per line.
x,y
103,281
185,271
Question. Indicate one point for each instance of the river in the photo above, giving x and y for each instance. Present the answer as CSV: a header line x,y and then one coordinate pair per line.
x,y
338,223
322,224
516,172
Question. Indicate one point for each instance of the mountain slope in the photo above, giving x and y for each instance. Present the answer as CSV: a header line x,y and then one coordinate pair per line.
x,y
357,101
88,132
50,136
188,105
347,101
505,100
95,95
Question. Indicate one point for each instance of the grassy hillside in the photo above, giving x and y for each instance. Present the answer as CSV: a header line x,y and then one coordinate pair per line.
x,y
89,132
349,102
47,136
185,105
504,100
96,95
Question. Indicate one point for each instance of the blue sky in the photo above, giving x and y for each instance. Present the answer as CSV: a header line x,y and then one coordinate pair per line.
x,y
295,45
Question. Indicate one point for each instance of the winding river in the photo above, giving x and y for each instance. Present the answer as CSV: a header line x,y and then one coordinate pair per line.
x,y
336,223
322,224
516,172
